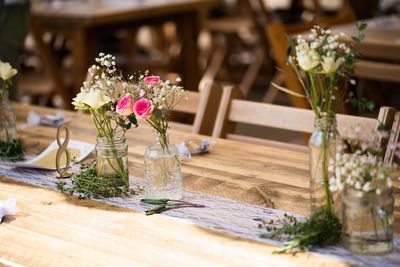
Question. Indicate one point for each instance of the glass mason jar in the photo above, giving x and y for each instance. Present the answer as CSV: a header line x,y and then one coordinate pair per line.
x,y
112,159
8,130
162,169
367,223
322,147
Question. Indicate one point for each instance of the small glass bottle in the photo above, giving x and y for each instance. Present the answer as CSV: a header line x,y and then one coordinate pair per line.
x,y
112,159
162,169
8,130
322,148
367,223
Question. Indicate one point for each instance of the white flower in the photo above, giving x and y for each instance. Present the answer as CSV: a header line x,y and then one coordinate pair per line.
x,y
78,101
93,98
329,64
6,71
357,185
307,59
366,187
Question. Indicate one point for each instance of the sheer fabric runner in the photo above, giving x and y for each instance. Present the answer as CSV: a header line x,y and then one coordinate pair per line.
x,y
220,214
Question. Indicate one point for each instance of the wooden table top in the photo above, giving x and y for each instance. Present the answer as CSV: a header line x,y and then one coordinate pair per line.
x,y
382,37
53,229
104,11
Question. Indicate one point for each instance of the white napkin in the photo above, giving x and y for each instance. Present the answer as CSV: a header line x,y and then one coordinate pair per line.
x,y
8,207
47,120
187,150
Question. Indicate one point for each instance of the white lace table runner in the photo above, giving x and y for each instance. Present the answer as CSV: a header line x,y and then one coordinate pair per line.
x,y
220,214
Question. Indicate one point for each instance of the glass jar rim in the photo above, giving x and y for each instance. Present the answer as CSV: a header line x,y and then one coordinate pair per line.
x,y
119,137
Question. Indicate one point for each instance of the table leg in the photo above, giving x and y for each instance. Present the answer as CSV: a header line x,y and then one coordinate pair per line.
x,y
50,64
188,28
84,51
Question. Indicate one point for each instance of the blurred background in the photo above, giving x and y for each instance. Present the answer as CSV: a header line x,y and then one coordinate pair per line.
x,y
200,41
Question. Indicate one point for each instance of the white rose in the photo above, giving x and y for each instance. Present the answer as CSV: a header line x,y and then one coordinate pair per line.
x,y
308,60
6,71
329,64
79,100
96,98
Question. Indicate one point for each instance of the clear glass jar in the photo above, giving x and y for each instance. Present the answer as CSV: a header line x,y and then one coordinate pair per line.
x,y
8,130
112,159
367,224
162,169
322,147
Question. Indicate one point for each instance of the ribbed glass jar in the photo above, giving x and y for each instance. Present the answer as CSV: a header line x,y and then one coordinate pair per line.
x,y
322,147
112,159
367,223
8,130
162,169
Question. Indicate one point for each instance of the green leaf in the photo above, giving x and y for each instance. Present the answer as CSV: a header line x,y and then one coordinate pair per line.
x,y
361,37
355,39
285,72
157,209
132,118
155,201
361,25
370,105
288,91
291,45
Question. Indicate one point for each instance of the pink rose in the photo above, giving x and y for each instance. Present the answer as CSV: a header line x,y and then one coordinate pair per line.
x,y
143,109
125,105
152,80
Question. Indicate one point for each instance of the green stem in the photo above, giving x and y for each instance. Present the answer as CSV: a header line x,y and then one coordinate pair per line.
x,y
325,170
374,221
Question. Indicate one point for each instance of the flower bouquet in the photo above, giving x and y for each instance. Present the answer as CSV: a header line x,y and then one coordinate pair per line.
x,y
360,172
10,146
109,99
162,163
324,66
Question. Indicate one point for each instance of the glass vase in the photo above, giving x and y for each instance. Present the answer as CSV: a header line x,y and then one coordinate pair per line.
x,y
322,148
162,169
367,224
112,159
8,130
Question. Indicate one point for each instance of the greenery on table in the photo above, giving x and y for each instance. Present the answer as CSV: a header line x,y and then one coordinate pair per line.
x,y
320,228
165,204
11,150
87,184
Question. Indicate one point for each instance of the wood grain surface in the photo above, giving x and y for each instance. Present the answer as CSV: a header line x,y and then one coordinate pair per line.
x,y
54,229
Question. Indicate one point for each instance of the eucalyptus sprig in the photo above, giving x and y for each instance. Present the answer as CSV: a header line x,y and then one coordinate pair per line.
x,y
165,204
87,184
320,228
11,150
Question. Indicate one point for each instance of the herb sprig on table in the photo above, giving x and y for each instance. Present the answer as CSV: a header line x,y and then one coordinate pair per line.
x,y
165,204
320,228
11,150
87,184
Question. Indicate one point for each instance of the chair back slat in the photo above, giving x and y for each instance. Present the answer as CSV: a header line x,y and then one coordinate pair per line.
x,y
394,139
234,110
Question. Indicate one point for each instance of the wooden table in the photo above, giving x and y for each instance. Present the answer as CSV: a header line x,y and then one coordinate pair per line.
x,y
380,57
53,229
382,37
83,21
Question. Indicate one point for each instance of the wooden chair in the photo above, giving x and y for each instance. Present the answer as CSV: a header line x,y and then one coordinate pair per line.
x,y
394,138
203,105
234,110
253,16
276,32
